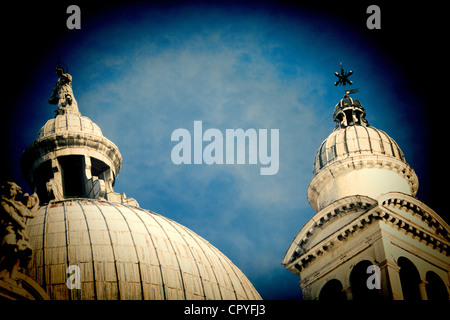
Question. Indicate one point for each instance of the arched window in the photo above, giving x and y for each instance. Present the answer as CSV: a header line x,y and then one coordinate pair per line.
x,y
332,291
409,278
358,282
436,289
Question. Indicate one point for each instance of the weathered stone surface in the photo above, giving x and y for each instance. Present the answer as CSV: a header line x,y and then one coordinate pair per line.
x,y
125,252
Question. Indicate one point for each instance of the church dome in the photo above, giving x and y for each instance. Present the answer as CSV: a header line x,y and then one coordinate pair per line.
x,y
69,122
355,140
125,252
86,230
358,159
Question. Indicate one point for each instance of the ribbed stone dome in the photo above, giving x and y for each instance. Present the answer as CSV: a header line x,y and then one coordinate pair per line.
x,y
69,122
355,140
125,252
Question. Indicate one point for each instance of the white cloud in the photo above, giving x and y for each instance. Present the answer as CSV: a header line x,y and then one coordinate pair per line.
x,y
161,89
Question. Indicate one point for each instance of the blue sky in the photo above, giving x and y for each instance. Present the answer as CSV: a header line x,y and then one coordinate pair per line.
x,y
141,71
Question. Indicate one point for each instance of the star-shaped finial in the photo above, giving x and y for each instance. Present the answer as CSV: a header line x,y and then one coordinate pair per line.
x,y
343,77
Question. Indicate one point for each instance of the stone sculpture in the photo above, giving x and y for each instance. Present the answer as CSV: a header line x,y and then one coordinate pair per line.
x,y
62,94
15,249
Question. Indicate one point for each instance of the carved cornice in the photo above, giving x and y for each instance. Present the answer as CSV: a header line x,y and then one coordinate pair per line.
x,y
297,257
341,235
415,207
340,207
438,239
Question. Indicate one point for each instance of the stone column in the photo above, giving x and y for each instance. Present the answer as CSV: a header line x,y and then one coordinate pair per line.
x,y
393,272
55,185
87,166
348,293
423,290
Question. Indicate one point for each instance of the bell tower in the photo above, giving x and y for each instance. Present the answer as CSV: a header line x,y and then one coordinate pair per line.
x,y
370,237
70,157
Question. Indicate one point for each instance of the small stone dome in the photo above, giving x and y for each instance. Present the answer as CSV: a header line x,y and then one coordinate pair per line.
x,y
127,253
349,112
69,122
347,101
355,140
358,159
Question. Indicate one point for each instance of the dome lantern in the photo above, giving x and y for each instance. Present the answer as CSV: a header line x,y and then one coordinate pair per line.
x,y
70,157
349,112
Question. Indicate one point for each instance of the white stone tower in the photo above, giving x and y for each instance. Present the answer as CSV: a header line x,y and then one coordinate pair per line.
x,y
370,238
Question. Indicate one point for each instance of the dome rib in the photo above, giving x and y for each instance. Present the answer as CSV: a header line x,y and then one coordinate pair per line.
x,y
213,250
112,247
90,245
368,139
353,141
333,148
357,138
207,258
156,252
44,226
195,260
175,254
66,231
237,277
225,263
223,266
135,249
346,148
380,141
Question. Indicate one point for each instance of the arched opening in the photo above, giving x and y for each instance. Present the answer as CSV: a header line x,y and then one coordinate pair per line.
x,y
332,291
72,175
409,278
41,176
358,282
436,289
98,167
